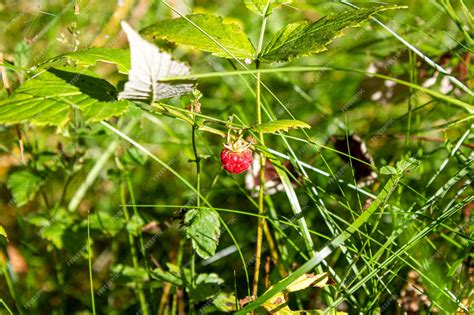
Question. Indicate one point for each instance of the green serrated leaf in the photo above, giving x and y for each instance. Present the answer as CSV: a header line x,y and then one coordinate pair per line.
x,y
264,7
203,228
51,97
280,125
408,164
181,32
130,273
207,286
3,232
53,228
388,170
90,56
173,276
105,222
225,302
23,185
135,224
303,38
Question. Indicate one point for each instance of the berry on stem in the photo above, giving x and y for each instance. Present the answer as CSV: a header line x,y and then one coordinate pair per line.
x,y
236,157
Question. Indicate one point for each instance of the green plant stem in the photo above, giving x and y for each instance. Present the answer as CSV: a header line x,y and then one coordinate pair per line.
x,y
6,306
133,251
11,288
261,209
60,277
89,258
135,212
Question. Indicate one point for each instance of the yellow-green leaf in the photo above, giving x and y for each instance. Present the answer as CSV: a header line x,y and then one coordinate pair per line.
x,y
90,56
232,40
280,125
3,232
264,7
278,303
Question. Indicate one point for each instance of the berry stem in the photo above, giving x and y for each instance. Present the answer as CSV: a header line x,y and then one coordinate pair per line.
x,y
261,210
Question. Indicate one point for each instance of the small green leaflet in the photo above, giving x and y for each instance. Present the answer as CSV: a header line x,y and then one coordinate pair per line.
x,y
208,286
302,38
51,98
3,232
182,32
23,186
264,7
203,228
90,56
280,125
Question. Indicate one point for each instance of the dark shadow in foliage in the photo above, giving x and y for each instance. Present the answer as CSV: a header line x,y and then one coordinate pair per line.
x,y
96,88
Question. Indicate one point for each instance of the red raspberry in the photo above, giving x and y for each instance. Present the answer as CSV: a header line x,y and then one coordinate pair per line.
x,y
236,157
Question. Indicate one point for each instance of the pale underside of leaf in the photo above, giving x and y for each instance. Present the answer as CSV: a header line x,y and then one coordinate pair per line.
x,y
280,125
148,66
278,303
232,40
52,97
303,38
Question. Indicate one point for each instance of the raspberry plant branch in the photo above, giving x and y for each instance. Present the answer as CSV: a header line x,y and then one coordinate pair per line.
x,y
184,181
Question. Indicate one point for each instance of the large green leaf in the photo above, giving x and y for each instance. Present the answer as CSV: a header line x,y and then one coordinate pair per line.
x,y
203,228
23,186
303,38
280,125
264,7
232,40
51,97
58,228
105,222
90,56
